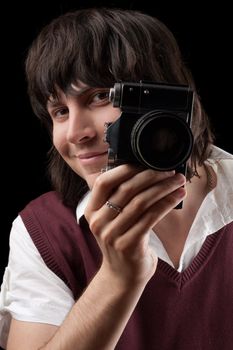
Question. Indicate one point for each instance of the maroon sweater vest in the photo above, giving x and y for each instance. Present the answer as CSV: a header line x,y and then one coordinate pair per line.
x,y
191,310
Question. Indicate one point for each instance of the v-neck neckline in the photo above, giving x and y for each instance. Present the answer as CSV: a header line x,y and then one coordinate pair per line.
x,y
183,277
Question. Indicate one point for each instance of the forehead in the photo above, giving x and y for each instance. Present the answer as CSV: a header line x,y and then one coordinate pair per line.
x,y
74,89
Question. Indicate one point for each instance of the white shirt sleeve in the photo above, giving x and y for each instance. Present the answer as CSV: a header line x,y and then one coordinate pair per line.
x,y
30,291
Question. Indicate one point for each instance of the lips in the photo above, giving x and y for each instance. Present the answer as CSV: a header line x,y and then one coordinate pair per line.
x,y
92,159
90,155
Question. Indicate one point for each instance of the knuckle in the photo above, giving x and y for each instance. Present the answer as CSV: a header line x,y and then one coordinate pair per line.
x,y
153,173
158,175
126,188
119,245
95,226
170,201
107,239
137,204
101,182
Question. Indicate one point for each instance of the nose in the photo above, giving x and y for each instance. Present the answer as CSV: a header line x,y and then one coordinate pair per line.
x,y
81,127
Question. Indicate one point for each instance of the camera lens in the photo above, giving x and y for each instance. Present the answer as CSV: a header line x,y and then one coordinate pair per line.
x,y
161,140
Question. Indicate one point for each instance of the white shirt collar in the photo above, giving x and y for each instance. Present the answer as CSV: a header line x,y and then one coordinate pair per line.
x,y
82,205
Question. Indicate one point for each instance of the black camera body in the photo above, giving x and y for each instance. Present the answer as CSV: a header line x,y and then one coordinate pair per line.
x,y
153,129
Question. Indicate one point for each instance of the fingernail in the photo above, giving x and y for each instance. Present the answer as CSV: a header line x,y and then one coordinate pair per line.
x,y
180,192
170,173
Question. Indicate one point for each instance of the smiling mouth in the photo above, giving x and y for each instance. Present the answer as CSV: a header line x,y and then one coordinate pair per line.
x,y
92,158
91,155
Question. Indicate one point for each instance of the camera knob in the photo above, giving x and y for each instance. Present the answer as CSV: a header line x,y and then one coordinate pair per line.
x,y
115,95
111,94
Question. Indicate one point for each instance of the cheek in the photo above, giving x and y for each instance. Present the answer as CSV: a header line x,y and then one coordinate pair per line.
x,y
58,139
105,115
112,114
109,115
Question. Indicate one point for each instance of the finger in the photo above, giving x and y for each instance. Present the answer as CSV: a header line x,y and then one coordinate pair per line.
x,y
147,221
146,186
108,223
127,180
124,193
106,182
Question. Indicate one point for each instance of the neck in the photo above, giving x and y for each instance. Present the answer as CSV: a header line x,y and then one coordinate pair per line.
x,y
182,219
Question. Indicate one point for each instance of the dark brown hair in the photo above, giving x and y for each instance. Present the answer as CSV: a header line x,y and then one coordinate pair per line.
x,y
99,47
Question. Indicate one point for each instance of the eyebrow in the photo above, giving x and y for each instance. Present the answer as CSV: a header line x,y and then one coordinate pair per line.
x,y
75,91
53,102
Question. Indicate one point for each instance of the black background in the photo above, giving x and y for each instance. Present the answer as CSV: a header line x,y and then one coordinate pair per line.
x,y
204,38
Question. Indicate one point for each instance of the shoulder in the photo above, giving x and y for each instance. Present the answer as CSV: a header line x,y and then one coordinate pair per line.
x,y
46,199
47,216
48,205
221,161
218,154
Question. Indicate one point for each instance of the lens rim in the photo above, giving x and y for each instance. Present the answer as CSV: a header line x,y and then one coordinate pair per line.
x,y
143,122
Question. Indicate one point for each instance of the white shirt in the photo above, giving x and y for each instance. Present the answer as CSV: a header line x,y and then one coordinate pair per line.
x,y
31,292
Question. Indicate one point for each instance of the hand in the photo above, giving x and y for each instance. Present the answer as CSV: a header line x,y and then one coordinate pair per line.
x,y
145,197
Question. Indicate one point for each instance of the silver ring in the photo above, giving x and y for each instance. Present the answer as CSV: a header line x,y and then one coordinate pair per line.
x,y
113,206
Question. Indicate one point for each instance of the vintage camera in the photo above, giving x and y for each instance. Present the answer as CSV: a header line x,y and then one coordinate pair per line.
x,y
153,129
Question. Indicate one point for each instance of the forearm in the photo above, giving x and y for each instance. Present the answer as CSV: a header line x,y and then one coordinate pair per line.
x,y
98,318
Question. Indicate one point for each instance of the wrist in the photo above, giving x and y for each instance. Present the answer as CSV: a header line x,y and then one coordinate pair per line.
x,y
128,279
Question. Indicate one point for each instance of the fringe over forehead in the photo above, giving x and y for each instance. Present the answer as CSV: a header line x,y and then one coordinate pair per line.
x,y
99,47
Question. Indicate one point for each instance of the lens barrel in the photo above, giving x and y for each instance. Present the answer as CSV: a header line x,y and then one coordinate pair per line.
x,y
161,140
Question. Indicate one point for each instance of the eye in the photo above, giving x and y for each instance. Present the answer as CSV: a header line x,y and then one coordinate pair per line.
x,y
99,98
59,113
